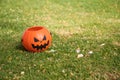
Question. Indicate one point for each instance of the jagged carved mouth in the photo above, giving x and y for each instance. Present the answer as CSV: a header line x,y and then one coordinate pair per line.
x,y
40,47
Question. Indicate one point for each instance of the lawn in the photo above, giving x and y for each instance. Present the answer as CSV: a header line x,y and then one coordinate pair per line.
x,y
85,40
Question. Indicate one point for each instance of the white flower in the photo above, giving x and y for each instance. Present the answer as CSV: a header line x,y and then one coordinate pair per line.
x,y
52,50
80,55
102,44
78,50
90,52
22,72
63,71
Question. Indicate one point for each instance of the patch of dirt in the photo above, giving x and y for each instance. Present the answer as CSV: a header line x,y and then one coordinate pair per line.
x,y
112,20
116,43
69,32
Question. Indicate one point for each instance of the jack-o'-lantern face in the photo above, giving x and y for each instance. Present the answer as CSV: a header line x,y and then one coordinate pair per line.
x,y
40,44
36,39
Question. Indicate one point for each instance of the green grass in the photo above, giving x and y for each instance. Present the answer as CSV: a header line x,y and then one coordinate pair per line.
x,y
84,24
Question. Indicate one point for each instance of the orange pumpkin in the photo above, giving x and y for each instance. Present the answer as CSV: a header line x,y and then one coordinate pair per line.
x,y
36,39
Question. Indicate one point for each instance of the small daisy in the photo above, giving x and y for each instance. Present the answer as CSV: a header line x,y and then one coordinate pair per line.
x,y
80,55
78,50
22,72
90,52
102,44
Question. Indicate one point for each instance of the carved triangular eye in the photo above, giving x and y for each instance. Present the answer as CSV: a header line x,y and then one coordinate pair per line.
x,y
44,37
35,39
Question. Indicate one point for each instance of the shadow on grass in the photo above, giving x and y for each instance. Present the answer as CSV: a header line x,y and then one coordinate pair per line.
x,y
19,46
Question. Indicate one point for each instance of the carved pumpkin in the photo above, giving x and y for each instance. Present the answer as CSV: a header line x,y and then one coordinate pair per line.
x,y
36,39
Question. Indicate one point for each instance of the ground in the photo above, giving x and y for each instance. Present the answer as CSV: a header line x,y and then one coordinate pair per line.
x,y
85,40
